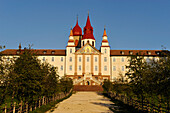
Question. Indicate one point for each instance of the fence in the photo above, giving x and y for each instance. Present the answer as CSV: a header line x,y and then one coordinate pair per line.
x,y
142,105
25,107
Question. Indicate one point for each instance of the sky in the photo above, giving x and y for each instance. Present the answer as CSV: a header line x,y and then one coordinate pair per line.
x,y
46,24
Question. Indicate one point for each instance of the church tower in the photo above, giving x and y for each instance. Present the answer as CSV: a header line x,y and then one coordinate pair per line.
x,y
70,57
88,34
105,58
77,34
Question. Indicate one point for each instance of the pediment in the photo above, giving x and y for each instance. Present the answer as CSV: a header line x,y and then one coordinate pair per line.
x,y
88,49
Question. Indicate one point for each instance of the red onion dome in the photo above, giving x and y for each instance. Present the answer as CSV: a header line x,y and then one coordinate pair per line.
x,y
77,31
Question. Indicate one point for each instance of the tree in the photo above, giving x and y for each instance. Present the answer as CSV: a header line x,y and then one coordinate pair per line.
x,y
136,74
107,86
50,80
25,77
66,84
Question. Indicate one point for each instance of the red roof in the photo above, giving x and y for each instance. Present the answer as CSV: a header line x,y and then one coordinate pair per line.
x,y
88,30
134,52
77,31
54,52
36,51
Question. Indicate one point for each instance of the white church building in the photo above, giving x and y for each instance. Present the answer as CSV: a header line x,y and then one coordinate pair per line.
x,y
82,62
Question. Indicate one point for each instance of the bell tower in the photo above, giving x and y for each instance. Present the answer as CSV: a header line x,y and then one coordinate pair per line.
x,y
88,34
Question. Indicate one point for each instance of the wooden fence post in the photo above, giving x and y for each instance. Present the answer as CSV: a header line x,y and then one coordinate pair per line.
x,y
26,107
31,108
14,107
21,107
39,102
5,107
35,107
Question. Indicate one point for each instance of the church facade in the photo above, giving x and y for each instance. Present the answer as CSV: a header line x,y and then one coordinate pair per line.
x,y
82,62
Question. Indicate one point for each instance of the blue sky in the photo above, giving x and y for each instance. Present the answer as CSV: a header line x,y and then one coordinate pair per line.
x,y
130,24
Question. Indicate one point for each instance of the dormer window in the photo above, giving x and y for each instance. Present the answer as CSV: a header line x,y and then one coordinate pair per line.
x,y
52,52
130,52
18,52
44,52
149,53
122,52
158,53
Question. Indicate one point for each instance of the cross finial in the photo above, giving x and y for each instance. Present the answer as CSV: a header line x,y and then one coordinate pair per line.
x,y
104,26
88,12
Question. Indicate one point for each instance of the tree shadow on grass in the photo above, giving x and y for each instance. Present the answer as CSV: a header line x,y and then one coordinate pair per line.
x,y
120,107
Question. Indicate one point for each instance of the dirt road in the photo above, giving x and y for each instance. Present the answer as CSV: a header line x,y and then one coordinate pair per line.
x,y
84,102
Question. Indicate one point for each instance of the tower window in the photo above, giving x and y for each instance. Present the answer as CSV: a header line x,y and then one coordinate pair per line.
x,y
70,50
105,59
87,59
79,67
95,59
95,68
70,59
105,68
83,43
70,67
92,43
105,51
79,59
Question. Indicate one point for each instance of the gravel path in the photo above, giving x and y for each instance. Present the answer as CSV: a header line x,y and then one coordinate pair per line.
x,y
84,102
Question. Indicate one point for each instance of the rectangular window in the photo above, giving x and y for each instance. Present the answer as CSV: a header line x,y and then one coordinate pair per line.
x,y
95,68
52,59
70,67
61,59
79,59
105,68
114,59
43,58
123,68
70,50
87,59
114,68
105,59
61,67
70,59
95,59
79,67
105,51
123,60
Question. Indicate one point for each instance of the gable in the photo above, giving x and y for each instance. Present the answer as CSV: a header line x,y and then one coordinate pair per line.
x,y
87,49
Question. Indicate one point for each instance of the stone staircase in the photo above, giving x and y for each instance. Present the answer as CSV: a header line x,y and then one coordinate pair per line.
x,y
95,88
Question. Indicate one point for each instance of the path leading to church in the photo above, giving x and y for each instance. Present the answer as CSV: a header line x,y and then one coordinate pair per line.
x,y
84,102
